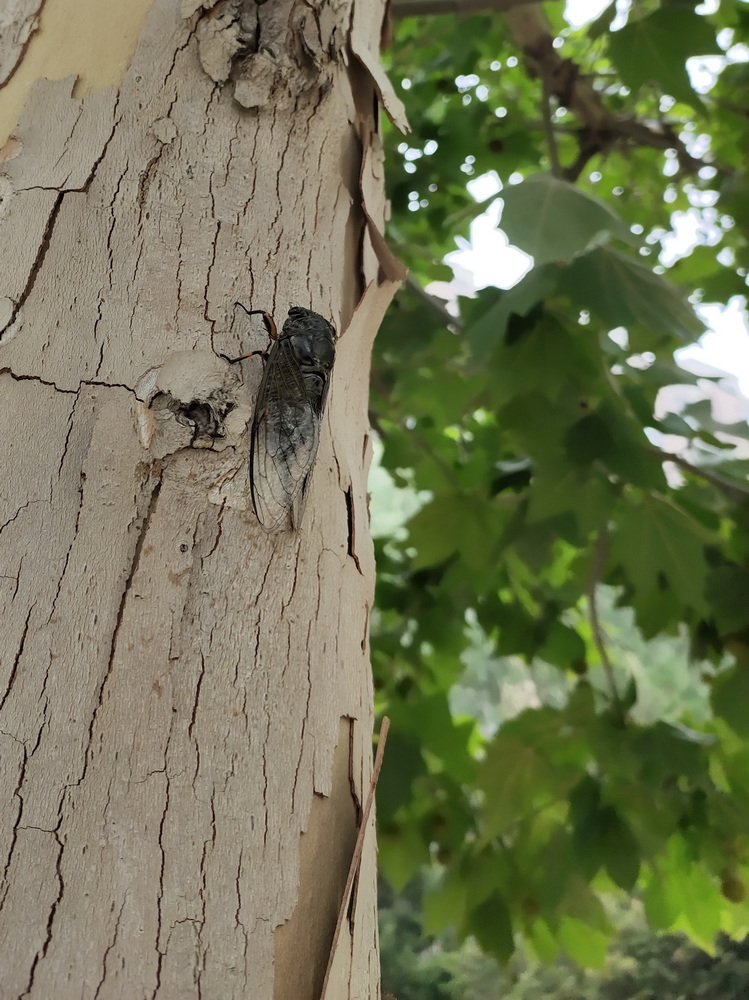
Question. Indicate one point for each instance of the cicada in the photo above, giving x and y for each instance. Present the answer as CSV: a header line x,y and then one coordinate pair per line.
x,y
288,412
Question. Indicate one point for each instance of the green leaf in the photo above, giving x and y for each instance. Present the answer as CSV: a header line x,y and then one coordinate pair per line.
x,y
658,545
515,778
601,837
402,764
555,222
654,49
557,490
453,522
543,358
624,292
401,854
610,438
491,925
563,647
727,590
542,941
730,697
683,895
584,944
445,904
489,330
532,761
441,735
603,22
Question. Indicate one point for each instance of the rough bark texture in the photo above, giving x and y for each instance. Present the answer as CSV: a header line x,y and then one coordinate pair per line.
x,y
185,700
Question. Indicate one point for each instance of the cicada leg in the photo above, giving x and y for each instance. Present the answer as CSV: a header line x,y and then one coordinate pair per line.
x,y
270,326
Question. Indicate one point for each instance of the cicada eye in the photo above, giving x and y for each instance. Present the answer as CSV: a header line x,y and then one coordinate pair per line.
x,y
325,352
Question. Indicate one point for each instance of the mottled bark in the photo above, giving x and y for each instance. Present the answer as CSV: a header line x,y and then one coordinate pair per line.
x,y
185,699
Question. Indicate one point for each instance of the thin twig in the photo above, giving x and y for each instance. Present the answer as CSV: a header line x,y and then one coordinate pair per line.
x,y
441,464
731,487
548,121
358,848
434,303
596,571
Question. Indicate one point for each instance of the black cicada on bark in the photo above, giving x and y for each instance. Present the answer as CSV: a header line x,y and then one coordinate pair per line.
x,y
288,411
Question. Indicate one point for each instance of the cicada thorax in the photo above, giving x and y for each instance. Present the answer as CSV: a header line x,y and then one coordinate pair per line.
x,y
289,408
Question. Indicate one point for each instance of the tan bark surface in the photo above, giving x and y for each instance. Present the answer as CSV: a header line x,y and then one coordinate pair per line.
x,y
185,699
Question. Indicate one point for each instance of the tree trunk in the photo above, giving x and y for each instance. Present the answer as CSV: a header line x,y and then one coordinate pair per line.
x,y
185,698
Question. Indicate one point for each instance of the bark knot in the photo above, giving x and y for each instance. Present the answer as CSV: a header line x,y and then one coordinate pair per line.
x,y
270,50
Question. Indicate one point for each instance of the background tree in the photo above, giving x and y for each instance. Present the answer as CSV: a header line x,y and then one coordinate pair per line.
x,y
558,462
640,965
185,699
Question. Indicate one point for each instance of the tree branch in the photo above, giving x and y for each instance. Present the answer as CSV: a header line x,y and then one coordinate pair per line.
x,y
419,8
601,129
731,487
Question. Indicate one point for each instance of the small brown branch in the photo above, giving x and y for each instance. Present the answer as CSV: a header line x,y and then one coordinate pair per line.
x,y
596,571
601,129
584,156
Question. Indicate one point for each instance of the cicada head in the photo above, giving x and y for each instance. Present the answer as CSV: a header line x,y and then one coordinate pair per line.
x,y
312,339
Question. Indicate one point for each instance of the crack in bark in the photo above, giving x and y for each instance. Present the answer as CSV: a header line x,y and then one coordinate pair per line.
x,y
32,378
72,392
365,635
41,954
65,444
17,824
198,686
266,804
110,258
21,508
351,528
77,519
160,894
109,947
201,890
17,658
237,881
36,265
219,533
304,723
118,623
115,123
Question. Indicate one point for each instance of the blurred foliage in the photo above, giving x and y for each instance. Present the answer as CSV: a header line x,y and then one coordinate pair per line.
x,y
641,964
545,533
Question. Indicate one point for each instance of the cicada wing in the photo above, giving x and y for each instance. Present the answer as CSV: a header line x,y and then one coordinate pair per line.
x,y
285,436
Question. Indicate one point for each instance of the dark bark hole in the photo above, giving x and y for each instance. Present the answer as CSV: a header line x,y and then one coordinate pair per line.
x,y
350,517
204,416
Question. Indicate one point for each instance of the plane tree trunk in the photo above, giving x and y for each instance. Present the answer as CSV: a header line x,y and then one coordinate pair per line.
x,y
185,698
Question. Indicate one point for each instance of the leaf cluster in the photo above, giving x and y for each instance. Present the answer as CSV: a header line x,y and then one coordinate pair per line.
x,y
534,435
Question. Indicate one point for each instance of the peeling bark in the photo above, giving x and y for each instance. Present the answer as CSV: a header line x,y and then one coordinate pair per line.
x,y
185,700
18,21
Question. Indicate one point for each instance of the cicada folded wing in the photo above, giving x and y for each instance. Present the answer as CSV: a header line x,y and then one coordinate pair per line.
x,y
289,408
